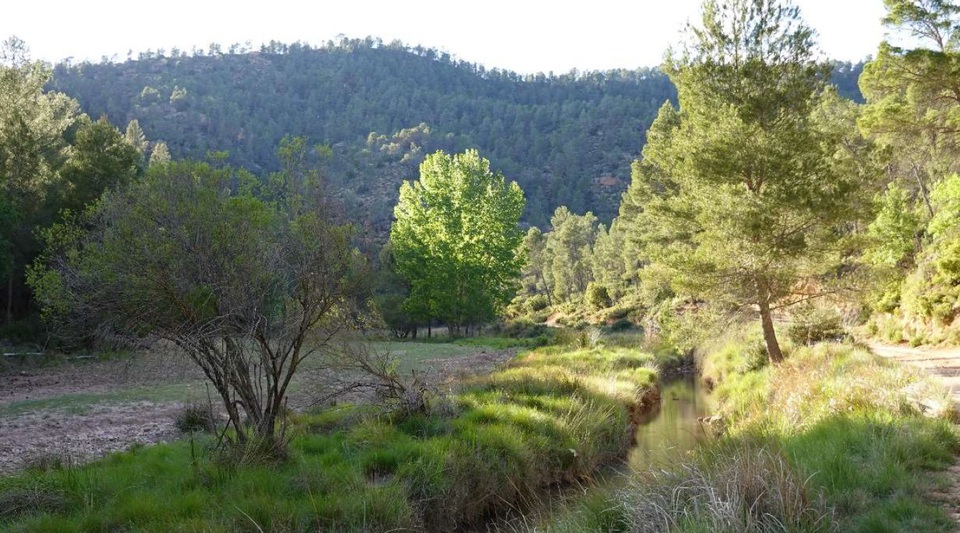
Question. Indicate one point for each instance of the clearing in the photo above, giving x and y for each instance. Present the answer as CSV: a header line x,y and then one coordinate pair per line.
x,y
83,409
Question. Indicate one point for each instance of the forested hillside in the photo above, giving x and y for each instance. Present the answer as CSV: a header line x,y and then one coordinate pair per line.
x,y
567,139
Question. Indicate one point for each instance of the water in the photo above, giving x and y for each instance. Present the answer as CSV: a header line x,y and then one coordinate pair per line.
x,y
672,430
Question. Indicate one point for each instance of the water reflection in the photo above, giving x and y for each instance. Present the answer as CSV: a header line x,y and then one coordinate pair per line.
x,y
672,430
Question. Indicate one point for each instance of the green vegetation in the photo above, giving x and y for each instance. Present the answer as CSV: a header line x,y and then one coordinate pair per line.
x,y
760,191
909,110
833,439
456,240
246,279
552,416
867,433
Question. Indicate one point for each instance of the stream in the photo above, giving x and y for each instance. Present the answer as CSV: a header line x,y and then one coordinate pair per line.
x,y
672,430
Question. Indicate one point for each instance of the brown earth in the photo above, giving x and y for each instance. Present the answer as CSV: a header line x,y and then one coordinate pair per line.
x,y
72,429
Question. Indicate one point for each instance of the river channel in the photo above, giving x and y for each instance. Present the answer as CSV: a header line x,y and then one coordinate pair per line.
x,y
672,430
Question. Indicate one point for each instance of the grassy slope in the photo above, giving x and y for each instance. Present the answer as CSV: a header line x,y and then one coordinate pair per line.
x,y
552,416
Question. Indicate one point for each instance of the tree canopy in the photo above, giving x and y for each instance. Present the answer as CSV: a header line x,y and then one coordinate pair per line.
x,y
456,239
740,192
234,272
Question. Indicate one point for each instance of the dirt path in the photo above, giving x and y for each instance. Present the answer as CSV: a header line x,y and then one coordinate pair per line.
x,y
945,364
941,362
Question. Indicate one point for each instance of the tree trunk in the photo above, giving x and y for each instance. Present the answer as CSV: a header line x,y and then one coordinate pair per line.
x,y
769,334
923,190
429,328
10,298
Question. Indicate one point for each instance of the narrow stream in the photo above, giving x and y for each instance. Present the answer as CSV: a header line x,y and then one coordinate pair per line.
x,y
663,437
673,429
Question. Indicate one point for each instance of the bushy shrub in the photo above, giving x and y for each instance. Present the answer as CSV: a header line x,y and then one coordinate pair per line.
x,y
524,328
598,297
622,325
812,325
195,417
537,302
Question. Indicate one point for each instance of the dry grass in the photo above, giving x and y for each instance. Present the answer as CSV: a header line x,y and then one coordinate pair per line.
x,y
736,488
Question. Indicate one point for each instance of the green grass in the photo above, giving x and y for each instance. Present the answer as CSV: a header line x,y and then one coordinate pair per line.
x,y
551,417
854,450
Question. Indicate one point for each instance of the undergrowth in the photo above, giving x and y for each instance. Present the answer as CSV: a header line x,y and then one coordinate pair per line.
x,y
850,441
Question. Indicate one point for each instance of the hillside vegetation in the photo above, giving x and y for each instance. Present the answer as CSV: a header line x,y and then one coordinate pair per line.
x,y
567,139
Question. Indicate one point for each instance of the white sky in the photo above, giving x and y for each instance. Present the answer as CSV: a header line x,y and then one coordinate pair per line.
x,y
526,36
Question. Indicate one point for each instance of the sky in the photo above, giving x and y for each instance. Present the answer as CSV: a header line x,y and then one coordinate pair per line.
x,y
526,36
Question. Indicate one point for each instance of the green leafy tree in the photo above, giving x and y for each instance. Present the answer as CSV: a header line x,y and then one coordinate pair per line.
x,y
102,159
894,233
456,239
912,94
569,249
609,268
32,151
742,194
246,281
535,272
932,289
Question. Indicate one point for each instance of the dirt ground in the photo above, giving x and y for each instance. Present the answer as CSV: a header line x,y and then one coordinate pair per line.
x,y
64,419
945,365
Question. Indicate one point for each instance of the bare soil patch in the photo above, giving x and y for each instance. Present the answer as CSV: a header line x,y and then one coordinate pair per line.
x,y
76,435
944,363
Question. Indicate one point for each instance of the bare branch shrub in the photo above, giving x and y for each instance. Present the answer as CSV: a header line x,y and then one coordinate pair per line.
x,y
247,279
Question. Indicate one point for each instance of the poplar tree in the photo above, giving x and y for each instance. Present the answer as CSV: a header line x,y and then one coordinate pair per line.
x,y
456,239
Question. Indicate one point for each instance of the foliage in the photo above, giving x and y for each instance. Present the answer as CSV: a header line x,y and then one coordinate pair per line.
x,y
893,233
910,103
567,253
598,297
33,147
743,193
456,240
566,138
235,274
813,324
102,159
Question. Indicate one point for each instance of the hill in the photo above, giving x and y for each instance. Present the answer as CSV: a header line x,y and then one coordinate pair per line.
x,y
567,139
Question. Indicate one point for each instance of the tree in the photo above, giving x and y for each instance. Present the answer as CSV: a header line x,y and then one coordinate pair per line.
x,y
136,138
456,239
32,150
743,190
568,249
535,270
608,265
246,280
913,94
102,159
160,154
